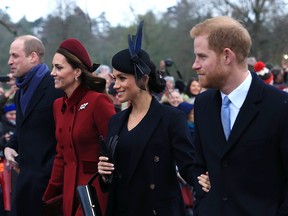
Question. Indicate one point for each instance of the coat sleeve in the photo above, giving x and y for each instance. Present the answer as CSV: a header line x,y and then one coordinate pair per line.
x,y
182,145
199,164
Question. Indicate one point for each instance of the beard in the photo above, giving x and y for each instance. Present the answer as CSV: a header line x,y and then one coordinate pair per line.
x,y
214,78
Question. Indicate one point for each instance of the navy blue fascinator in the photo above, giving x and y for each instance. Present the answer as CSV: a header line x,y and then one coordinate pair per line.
x,y
135,43
133,60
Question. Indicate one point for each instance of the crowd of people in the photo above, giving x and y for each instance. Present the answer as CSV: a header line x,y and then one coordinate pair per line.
x,y
178,147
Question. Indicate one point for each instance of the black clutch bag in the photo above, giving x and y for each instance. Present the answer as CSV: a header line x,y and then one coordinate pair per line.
x,y
108,150
88,198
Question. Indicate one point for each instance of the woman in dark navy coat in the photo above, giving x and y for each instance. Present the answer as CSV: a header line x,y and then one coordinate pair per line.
x,y
149,140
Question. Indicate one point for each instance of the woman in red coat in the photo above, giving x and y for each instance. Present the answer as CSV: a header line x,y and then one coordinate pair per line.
x,y
81,116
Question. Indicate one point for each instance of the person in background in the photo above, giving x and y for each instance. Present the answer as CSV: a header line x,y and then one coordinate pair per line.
x,y
188,109
278,75
33,145
180,85
81,116
246,155
170,85
114,96
187,190
264,73
141,176
193,88
6,96
174,99
8,123
7,173
104,71
284,65
251,61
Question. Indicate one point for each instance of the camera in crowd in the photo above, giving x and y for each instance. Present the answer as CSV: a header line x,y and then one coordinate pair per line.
x,y
4,79
168,62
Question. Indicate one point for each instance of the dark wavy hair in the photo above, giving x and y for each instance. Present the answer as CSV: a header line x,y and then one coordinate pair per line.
x,y
187,89
156,83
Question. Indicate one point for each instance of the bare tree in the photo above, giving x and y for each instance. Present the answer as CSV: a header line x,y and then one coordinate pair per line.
x,y
259,16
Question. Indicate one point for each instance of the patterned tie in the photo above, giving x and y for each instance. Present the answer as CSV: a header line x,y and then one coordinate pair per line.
x,y
225,116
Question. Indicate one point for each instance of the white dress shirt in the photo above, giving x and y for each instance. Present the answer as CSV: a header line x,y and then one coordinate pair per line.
x,y
237,98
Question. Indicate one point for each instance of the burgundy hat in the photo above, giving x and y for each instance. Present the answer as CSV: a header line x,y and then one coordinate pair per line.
x,y
76,48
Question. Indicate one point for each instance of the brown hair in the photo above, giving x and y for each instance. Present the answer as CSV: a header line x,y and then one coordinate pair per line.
x,y
87,78
33,44
225,32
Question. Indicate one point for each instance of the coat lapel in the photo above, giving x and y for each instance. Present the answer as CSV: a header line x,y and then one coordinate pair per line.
x,y
151,123
247,113
213,121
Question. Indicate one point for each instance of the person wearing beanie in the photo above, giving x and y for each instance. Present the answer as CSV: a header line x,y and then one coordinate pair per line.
x,y
32,147
187,108
263,72
81,116
150,137
8,122
187,190
7,173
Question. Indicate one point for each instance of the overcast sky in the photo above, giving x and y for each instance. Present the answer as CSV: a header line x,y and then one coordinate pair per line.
x,y
117,11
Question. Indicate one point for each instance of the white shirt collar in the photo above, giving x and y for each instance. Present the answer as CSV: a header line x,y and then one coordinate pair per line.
x,y
238,95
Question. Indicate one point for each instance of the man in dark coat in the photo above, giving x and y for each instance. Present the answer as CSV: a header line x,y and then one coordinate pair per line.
x,y
33,146
248,168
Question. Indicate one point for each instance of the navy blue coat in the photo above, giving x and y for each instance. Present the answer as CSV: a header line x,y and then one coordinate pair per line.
x,y
35,143
153,186
249,172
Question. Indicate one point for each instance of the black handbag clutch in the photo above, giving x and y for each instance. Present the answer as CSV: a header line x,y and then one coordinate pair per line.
x,y
88,198
108,150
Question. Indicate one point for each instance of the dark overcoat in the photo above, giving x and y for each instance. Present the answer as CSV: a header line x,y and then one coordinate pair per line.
x,y
249,172
165,141
35,143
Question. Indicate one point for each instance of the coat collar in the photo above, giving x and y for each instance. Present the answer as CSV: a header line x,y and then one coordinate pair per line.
x,y
75,98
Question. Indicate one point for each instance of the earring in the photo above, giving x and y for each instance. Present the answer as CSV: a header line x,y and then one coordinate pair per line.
x,y
76,78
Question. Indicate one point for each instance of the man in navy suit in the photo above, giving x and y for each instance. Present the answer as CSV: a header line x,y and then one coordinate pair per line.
x,y
248,170
33,146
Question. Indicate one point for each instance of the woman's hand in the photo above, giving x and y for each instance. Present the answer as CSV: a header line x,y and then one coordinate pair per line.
x,y
204,181
104,167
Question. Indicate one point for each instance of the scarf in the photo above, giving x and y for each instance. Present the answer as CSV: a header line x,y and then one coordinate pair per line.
x,y
28,84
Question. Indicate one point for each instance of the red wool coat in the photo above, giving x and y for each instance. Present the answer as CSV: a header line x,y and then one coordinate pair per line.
x,y
80,120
